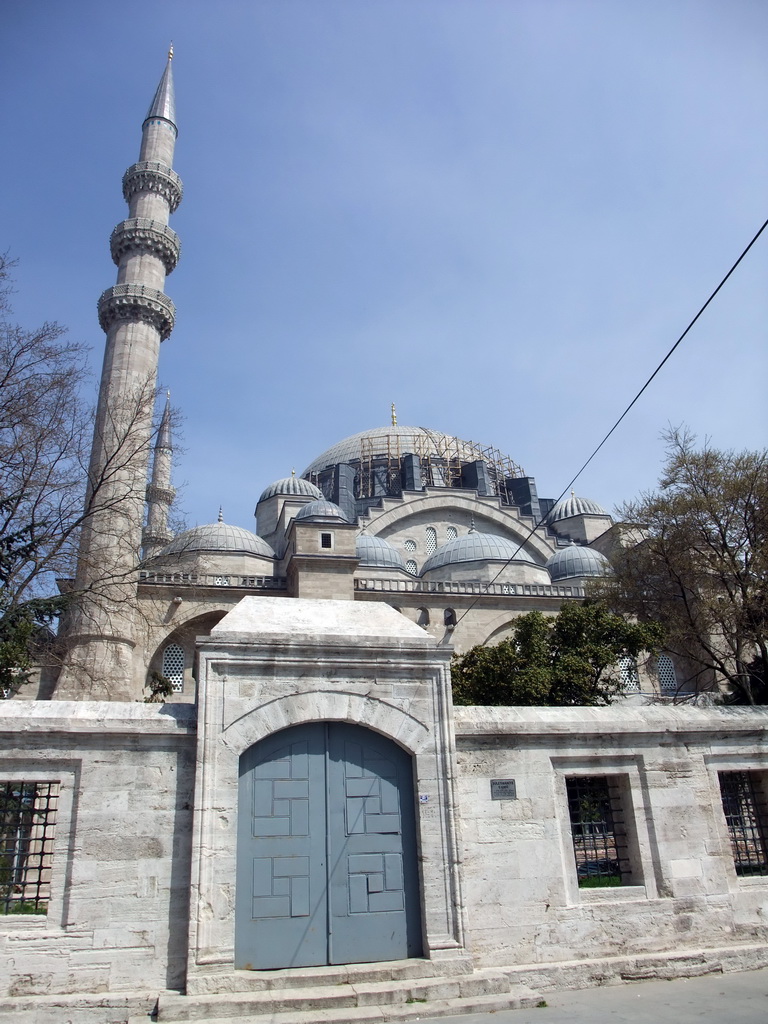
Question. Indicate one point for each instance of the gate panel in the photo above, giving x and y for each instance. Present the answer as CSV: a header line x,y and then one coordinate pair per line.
x,y
327,870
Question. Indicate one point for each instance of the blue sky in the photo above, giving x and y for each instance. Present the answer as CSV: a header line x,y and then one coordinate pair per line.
x,y
497,214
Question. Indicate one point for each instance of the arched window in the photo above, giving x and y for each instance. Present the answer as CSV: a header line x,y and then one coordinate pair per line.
x,y
423,617
410,566
449,618
628,677
410,545
451,533
173,666
665,671
431,540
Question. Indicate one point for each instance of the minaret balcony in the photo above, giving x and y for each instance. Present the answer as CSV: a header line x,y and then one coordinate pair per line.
x,y
137,303
150,176
140,234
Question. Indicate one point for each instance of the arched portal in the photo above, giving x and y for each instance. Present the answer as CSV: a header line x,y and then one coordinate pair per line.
x,y
326,857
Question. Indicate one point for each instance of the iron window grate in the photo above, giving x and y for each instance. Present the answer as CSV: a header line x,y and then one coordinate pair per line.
x,y
746,821
27,822
597,829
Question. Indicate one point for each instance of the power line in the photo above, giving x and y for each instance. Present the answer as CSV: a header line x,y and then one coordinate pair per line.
x,y
584,465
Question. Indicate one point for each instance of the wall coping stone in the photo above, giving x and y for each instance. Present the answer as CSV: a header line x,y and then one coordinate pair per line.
x,y
584,721
70,716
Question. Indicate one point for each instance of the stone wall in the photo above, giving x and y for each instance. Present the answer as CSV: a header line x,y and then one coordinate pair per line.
x,y
118,912
525,905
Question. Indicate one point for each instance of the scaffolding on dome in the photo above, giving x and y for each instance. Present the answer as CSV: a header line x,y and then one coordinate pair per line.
x,y
442,459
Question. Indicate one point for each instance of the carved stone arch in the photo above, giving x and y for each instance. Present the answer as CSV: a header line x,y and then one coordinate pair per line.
x,y
506,520
184,635
330,706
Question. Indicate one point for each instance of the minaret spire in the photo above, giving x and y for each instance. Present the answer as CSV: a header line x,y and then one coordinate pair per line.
x,y
160,493
136,315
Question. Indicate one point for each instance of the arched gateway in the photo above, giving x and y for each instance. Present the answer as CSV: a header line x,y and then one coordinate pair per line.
x,y
327,869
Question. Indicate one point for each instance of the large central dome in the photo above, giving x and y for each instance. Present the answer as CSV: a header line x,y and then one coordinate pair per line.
x,y
391,443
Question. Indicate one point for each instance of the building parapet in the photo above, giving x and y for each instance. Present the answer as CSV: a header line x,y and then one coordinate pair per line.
x,y
196,579
391,586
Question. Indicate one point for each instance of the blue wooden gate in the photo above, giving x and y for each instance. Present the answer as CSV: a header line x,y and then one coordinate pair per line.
x,y
326,861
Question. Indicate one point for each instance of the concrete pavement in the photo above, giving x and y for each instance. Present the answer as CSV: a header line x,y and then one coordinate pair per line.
x,y
736,998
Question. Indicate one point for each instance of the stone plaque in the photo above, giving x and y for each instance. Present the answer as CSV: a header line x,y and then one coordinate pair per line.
x,y
503,789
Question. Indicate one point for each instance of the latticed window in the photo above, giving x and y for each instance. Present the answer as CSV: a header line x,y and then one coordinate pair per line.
x,y
665,670
745,816
410,566
431,540
451,533
27,822
410,545
628,677
597,828
173,666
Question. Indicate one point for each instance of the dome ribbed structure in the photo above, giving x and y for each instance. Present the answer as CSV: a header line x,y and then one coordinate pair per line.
x,y
378,552
477,547
577,561
575,506
321,509
219,537
295,486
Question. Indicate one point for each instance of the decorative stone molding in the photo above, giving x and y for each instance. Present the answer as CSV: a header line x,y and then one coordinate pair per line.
x,y
140,234
161,494
150,176
126,302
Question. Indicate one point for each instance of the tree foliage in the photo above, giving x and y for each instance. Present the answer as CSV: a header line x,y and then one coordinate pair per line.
x,y
567,659
701,564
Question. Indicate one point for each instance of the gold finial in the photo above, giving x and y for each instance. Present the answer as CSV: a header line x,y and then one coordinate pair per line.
x,y
394,416
170,51
293,471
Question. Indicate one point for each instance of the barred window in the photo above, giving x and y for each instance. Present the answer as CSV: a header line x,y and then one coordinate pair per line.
x,y
173,666
665,670
410,566
628,677
431,540
597,829
27,822
745,816
451,533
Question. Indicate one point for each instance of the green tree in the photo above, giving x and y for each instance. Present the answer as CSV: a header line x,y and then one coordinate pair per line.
x,y
697,560
567,659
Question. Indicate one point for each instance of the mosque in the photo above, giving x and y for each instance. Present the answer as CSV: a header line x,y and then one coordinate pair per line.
x,y
307,828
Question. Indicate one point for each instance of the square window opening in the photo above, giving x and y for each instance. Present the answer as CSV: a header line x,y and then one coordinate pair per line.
x,y
27,825
598,831
746,816
326,540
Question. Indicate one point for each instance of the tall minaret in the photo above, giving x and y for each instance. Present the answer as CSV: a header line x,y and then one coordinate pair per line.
x,y
160,493
136,316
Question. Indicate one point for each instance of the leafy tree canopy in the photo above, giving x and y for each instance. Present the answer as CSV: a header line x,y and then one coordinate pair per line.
x,y
698,562
567,659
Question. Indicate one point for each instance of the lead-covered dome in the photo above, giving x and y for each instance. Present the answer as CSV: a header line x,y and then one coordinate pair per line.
x,y
218,537
321,509
377,552
575,506
577,561
477,547
295,486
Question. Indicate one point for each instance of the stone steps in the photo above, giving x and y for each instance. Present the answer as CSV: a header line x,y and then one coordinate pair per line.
x,y
395,998
302,977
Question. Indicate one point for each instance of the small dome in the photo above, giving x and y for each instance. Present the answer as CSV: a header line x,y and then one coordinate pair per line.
x,y
477,547
218,537
293,485
577,561
377,551
321,509
575,506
